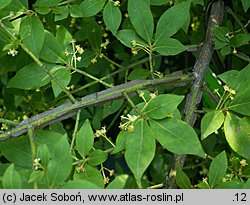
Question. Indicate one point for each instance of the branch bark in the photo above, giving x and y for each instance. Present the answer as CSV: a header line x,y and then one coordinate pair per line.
x,y
68,110
200,68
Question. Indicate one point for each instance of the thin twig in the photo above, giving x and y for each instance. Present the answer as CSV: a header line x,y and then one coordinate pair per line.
x,y
68,110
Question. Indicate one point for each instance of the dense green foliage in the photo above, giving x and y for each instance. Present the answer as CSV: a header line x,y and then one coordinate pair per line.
x,y
62,50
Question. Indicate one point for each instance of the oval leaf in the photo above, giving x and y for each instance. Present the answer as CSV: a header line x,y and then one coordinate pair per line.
x,y
4,3
91,7
29,77
84,139
172,20
32,34
140,149
120,142
126,36
161,106
64,75
90,174
119,182
18,151
141,18
237,134
60,165
53,50
177,136
241,103
182,180
11,178
217,169
97,157
112,17
211,122
169,46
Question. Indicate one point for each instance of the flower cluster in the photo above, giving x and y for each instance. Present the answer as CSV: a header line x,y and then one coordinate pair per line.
x,y
12,52
36,163
129,124
101,133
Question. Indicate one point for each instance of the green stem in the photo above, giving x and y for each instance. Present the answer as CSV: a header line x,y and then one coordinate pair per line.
x,y
242,57
113,145
157,186
33,148
111,61
10,122
151,63
230,11
75,130
92,77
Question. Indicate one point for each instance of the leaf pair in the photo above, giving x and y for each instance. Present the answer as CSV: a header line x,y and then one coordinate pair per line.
x,y
169,23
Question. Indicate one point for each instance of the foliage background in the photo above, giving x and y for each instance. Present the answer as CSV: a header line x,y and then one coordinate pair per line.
x,y
59,51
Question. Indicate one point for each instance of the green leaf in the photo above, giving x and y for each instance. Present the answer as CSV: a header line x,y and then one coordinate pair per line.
x,y
141,18
241,103
64,75
90,174
119,182
11,179
44,154
221,34
4,3
94,34
91,7
84,139
53,50
111,107
226,50
60,165
245,4
18,151
29,77
229,77
237,134
161,106
47,3
230,185
120,141
48,138
138,73
32,34
97,157
159,2
127,35
140,149
239,40
112,17
43,10
61,13
80,184
36,176
217,169
75,11
182,180
169,46
211,122
177,136
172,20
247,184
